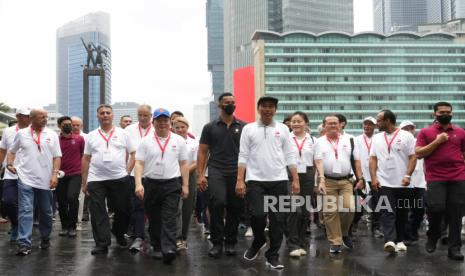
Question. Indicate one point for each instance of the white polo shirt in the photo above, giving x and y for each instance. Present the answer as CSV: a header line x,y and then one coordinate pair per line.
x,y
158,166
418,180
84,135
34,167
108,162
266,151
192,149
7,140
304,151
392,166
136,133
363,143
335,165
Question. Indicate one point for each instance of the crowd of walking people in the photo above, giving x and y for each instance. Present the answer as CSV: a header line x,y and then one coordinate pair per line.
x,y
155,174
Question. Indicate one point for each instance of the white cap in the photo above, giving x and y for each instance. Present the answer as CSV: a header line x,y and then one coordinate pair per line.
x,y
406,123
23,111
371,119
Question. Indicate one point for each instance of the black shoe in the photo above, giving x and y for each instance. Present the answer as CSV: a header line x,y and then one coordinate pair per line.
x,y
455,254
252,253
23,250
44,244
230,250
274,263
85,218
72,233
63,233
120,239
335,249
430,245
99,250
156,254
347,242
169,257
215,251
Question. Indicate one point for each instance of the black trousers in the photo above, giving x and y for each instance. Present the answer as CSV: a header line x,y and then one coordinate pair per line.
x,y
161,199
394,221
137,220
375,216
416,214
256,191
67,193
298,221
222,192
445,200
10,200
118,190
186,207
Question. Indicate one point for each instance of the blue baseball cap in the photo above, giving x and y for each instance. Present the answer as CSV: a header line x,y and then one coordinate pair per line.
x,y
161,112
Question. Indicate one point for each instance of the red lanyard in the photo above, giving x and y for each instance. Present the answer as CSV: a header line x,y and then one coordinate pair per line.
x,y
146,132
162,148
300,147
334,146
389,143
366,143
109,137
17,128
38,139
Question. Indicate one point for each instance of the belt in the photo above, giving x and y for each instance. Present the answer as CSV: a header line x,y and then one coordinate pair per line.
x,y
339,178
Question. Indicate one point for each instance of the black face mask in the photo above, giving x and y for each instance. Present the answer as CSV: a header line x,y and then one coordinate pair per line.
x,y
67,129
444,119
229,109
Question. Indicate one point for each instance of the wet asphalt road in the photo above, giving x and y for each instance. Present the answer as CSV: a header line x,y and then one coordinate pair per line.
x,y
68,256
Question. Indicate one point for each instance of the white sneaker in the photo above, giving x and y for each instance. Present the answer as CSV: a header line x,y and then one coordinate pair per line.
x,y
249,232
303,252
401,246
390,247
295,253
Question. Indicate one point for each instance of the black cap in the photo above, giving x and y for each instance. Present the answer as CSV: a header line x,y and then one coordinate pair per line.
x,y
267,99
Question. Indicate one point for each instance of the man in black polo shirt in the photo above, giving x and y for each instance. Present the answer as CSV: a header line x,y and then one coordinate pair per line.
x,y
220,144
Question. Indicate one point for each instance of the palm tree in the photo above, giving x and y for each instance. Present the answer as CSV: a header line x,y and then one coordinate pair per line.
x,y
4,108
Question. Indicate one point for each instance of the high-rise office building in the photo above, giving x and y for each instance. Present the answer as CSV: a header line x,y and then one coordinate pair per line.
x,y
243,17
359,75
215,51
71,59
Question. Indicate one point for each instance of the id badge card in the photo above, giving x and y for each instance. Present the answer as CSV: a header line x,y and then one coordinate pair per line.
x,y
390,163
337,168
301,167
43,161
159,168
106,156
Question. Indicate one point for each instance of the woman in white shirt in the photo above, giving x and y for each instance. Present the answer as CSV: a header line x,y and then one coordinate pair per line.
x,y
299,220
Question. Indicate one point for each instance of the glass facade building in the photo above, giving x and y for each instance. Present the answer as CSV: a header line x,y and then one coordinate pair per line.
x,y
215,51
71,58
359,75
243,17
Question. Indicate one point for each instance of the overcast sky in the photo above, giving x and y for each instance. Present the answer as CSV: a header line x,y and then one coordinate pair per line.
x,y
159,49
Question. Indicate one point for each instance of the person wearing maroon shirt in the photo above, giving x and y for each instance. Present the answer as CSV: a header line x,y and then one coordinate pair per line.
x,y
69,186
442,145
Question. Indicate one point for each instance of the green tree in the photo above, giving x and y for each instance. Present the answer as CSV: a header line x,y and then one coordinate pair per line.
x,y
4,107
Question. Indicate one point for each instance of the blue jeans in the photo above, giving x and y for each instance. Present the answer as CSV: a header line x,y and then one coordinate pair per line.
x,y
25,212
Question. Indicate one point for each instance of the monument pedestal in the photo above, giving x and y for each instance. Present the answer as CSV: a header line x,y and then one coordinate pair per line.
x,y
87,73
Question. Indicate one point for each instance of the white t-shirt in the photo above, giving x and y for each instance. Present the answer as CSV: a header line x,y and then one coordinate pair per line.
x,y
7,140
305,157
266,151
192,149
325,150
84,135
136,134
418,180
34,167
363,143
108,162
157,166
392,167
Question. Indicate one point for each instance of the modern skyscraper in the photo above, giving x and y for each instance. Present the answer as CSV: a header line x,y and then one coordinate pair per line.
x,y
124,108
243,17
71,58
215,51
359,75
